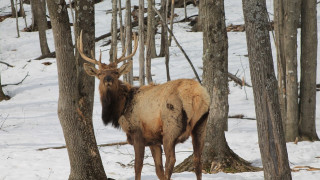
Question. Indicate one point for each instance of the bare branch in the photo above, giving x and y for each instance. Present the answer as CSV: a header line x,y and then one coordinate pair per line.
x,y
6,64
101,145
16,83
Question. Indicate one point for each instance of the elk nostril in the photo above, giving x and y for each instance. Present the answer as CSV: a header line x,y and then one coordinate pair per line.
x,y
108,78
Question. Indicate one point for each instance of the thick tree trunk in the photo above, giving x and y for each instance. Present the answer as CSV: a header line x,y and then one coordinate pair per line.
x,y
75,102
128,31
281,62
309,44
217,156
41,21
141,43
291,12
270,131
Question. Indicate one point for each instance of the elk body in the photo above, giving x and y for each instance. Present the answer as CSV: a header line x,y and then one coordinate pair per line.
x,y
152,115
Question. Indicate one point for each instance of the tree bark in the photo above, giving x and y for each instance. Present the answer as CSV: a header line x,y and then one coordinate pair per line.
x,y
291,15
151,53
128,31
171,21
270,131
75,100
217,156
164,33
309,45
114,32
281,62
41,21
13,9
141,43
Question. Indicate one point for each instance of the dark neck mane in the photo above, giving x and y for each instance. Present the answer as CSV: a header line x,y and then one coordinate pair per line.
x,y
114,103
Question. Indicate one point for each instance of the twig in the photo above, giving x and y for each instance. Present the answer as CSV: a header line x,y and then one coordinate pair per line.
x,y
240,116
6,64
101,145
174,38
18,82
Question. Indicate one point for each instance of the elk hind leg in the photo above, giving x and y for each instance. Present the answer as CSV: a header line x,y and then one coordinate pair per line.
x,y
156,152
139,147
198,134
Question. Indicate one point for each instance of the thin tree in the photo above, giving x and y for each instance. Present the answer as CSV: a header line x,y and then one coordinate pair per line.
x,y
141,43
17,22
292,13
13,9
122,33
128,31
164,31
309,44
114,32
151,51
281,62
74,102
270,131
42,25
171,20
217,155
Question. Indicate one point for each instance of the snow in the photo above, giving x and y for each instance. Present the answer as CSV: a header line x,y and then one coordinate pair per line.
x,y
29,120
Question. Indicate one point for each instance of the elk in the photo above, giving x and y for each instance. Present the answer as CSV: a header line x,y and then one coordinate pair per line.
x,y
152,115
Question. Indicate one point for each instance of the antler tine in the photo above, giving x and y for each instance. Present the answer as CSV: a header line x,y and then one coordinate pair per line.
x,y
80,49
134,51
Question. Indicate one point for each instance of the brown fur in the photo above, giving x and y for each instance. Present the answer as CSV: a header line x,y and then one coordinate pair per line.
x,y
154,115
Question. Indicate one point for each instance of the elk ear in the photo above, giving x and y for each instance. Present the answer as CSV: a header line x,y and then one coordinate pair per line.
x,y
90,70
125,68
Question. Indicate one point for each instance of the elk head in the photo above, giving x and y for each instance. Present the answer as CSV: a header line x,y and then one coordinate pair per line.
x,y
108,74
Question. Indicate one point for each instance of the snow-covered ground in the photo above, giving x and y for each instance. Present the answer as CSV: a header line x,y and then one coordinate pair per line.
x,y
29,120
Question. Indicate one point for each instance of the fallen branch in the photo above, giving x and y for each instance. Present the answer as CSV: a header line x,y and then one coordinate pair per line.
x,y
18,82
6,64
238,80
178,44
307,168
240,116
101,145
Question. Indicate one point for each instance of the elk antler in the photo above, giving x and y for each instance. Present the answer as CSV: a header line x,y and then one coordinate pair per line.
x,y
80,49
122,58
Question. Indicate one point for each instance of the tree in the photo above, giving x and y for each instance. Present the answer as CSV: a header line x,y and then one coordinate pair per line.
x,y
129,76
74,99
41,22
270,131
13,9
281,62
217,155
114,32
309,44
2,95
151,49
292,14
141,43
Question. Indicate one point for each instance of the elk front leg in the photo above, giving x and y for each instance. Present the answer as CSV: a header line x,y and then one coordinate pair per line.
x,y
138,144
157,157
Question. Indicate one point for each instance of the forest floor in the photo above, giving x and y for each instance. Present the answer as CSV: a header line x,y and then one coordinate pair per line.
x,y
29,121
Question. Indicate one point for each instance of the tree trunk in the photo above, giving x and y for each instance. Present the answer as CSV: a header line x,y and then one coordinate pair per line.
x,y
292,13
75,102
309,44
217,156
141,43
281,62
270,131
164,33
166,53
114,32
151,28
41,21
122,33
2,95
13,9
128,31
150,41
171,21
